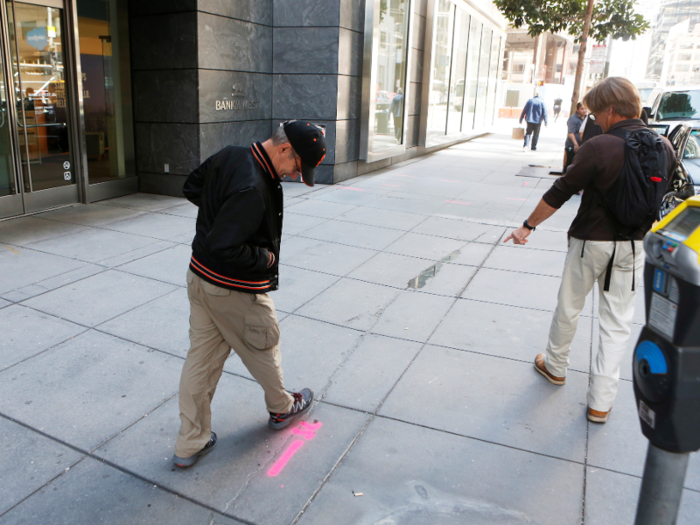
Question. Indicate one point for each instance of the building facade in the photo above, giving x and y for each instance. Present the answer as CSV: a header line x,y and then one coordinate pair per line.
x,y
671,13
681,65
102,98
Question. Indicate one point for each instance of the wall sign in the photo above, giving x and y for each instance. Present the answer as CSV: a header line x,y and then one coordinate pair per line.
x,y
237,101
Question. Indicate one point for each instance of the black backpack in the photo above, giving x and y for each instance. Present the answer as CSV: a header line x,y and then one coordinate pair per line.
x,y
634,199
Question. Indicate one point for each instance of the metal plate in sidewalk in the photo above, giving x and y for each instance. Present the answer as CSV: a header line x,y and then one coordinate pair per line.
x,y
539,172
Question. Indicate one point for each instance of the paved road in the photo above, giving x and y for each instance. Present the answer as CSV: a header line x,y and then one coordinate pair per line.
x,y
399,306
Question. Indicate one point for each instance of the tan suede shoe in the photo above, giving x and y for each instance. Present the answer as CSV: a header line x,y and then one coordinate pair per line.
x,y
596,416
539,366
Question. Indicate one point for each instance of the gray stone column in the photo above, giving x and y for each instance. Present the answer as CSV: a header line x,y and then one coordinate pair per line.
x,y
211,73
164,74
317,68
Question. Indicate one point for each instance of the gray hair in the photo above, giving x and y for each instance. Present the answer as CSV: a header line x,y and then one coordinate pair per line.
x,y
279,137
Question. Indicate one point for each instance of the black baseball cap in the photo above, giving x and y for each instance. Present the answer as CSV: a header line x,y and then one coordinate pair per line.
x,y
309,142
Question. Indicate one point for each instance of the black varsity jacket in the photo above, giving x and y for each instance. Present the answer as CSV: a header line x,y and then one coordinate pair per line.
x,y
239,224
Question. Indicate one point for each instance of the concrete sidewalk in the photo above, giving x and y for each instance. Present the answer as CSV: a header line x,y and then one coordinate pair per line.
x,y
429,405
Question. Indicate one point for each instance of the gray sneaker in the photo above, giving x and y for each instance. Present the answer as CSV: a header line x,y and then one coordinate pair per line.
x,y
302,403
188,462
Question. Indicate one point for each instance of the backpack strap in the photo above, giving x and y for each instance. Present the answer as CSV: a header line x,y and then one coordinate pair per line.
x,y
609,269
634,262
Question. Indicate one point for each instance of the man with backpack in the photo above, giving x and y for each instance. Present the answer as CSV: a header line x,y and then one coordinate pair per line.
x,y
624,173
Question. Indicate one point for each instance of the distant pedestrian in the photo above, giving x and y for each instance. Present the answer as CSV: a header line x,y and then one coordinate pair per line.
x,y
573,137
234,264
557,108
396,109
534,113
596,251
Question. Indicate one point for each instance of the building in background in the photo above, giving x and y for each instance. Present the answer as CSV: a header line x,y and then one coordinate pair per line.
x,y
102,98
681,63
552,69
671,13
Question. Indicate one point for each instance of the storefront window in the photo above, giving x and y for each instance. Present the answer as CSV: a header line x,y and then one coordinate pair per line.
x,y
107,124
482,85
7,176
390,75
440,78
493,80
36,42
472,74
459,69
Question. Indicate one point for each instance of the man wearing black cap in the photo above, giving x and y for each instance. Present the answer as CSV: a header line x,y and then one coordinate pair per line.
x,y
234,264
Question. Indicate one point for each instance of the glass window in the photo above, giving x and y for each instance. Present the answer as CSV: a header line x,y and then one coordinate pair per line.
x,y
680,104
493,81
691,156
7,176
390,82
472,74
440,78
482,85
36,42
102,64
459,70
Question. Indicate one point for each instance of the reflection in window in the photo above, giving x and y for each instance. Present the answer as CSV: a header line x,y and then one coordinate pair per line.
x,y
484,63
102,97
7,176
459,69
36,42
390,81
691,156
493,81
439,83
680,105
472,74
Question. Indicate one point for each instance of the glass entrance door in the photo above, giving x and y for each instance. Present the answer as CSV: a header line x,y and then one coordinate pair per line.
x,y
40,123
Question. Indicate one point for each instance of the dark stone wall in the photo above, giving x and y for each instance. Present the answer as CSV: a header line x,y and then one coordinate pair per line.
x,y
165,85
209,73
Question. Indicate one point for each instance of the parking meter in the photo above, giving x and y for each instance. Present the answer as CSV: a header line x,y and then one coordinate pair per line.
x,y
666,362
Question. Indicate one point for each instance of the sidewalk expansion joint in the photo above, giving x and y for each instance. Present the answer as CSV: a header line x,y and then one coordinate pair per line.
x,y
126,471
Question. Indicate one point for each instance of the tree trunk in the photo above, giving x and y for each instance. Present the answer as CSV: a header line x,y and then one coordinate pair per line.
x,y
535,55
581,56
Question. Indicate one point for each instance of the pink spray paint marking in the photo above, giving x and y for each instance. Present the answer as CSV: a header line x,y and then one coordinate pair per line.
x,y
349,188
305,430
460,202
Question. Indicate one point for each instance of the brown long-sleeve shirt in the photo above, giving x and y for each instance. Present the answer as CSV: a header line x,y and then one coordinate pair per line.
x,y
594,170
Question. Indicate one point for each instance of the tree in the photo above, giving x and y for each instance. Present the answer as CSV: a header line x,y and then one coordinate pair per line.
x,y
598,19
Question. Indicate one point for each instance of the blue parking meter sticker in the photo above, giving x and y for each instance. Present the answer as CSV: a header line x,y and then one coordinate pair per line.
x,y
659,281
652,354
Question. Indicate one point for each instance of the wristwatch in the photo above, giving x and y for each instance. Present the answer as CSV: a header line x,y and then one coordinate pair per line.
x,y
527,225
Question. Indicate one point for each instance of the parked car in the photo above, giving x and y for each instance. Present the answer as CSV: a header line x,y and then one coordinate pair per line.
x,y
674,106
685,181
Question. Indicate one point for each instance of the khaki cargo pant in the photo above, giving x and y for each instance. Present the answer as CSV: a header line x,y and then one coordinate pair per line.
x,y
220,320
615,312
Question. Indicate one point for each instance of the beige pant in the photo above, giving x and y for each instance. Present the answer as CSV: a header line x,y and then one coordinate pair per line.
x,y
615,312
222,319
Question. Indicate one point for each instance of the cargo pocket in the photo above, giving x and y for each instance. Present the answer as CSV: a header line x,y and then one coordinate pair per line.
x,y
261,332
